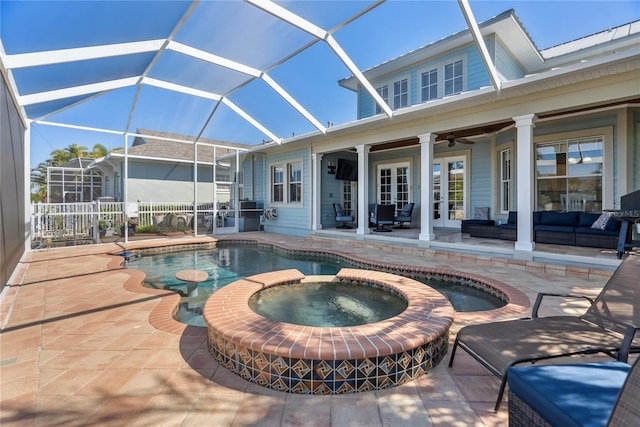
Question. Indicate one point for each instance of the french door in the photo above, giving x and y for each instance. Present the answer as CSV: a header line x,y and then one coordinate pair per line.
x,y
350,198
394,184
449,198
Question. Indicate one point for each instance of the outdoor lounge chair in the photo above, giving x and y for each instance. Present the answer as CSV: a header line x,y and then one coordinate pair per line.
x,y
383,217
404,215
608,326
341,216
596,394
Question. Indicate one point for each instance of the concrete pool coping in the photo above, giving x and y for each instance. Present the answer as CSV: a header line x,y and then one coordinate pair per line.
x,y
162,316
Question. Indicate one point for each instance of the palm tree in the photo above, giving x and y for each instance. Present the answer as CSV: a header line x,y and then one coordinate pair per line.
x,y
73,151
39,181
99,150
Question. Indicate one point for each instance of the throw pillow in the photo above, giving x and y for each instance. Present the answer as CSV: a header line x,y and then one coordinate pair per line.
x,y
481,213
601,222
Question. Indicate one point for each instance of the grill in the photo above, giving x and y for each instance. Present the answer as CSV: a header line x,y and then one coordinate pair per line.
x,y
629,214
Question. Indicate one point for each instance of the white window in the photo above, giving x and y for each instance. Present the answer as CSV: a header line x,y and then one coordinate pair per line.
x,y
453,78
442,79
400,94
295,183
277,183
383,91
429,85
505,180
569,174
286,182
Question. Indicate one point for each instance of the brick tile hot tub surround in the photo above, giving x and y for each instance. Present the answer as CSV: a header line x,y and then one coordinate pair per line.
x,y
328,360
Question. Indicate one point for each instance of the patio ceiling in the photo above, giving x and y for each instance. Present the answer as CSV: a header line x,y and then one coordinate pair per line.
x,y
176,66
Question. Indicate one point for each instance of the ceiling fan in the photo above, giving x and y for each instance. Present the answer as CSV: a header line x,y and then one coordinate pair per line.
x,y
453,140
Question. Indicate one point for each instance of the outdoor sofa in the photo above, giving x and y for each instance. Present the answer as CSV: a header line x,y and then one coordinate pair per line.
x,y
558,228
576,229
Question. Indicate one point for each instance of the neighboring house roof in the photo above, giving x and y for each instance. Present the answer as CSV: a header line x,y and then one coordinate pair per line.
x,y
166,147
77,163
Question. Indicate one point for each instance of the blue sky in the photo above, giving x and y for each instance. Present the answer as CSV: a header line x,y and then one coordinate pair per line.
x,y
390,30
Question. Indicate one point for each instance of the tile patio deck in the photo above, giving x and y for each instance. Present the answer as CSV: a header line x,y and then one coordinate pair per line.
x,y
82,345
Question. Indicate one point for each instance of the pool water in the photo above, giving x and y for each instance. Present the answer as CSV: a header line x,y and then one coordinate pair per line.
x,y
228,264
327,304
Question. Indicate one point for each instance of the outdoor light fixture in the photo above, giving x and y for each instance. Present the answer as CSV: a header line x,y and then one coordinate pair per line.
x,y
332,168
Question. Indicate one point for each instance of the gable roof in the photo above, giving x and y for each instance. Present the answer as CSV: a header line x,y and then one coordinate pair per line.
x,y
167,146
513,35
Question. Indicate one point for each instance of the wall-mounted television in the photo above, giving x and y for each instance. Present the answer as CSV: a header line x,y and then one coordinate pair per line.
x,y
347,170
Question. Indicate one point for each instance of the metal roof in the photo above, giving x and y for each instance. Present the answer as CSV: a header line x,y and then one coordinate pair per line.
x,y
600,38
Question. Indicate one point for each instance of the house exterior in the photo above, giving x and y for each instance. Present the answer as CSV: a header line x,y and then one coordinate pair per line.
x,y
73,182
160,169
559,131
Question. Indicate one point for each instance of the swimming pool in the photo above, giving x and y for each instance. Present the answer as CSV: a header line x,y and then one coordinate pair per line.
x,y
227,264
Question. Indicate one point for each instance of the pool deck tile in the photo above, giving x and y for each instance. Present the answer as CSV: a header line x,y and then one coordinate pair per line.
x,y
81,344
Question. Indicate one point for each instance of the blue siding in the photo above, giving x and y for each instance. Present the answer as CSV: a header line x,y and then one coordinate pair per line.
x,y
505,137
365,104
476,76
259,186
294,216
414,88
480,186
507,67
161,171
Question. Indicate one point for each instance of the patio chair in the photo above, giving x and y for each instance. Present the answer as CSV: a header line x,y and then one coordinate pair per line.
x,y
341,216
383,217
596,394
608,326
404,215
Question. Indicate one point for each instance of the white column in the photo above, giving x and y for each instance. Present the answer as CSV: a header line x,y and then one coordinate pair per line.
x,y
125,188
316,187
195,188
427,141
525,179
363,189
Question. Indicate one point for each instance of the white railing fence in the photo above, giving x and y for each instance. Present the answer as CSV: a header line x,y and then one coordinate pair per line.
x,y
84,221
63,221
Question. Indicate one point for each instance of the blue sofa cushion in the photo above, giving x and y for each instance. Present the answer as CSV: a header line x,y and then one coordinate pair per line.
x,y
559,218
570,395
509,226
557,228
613,225
596,231
536,217
513,217
586,219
